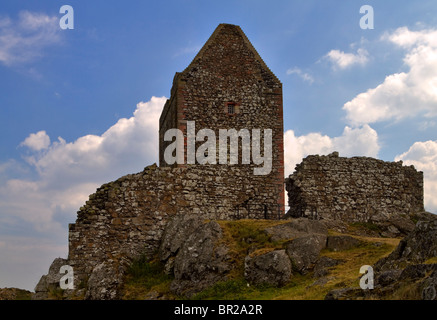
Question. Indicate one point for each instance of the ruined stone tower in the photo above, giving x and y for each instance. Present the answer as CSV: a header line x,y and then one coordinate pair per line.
x,y
228,86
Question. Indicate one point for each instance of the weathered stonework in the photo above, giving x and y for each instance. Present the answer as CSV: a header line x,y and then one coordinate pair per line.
x,y
357,189
127,217
228,71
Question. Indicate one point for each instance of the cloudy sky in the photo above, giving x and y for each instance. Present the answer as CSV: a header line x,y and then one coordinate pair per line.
x,y
80,107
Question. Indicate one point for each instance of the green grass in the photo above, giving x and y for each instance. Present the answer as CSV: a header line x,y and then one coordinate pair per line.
x,y
366,225
143,276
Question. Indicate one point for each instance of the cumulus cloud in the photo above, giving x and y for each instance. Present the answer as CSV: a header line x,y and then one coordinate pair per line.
x,y
303,75
362,141
128,145
423,155
24,39
343,60
37,141
66,173
404,94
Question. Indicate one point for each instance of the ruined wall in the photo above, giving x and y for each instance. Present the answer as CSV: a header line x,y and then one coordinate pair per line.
x,y
353,189
125,218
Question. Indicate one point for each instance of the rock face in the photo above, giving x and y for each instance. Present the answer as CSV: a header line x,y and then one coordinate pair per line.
x,y
272,268
296,228
193,254
49,281
340,243
417,247
201,262
304,251
176,233
404,274
104,282
357,189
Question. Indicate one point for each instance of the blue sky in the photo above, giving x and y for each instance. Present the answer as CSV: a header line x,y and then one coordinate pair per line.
x,y
80,107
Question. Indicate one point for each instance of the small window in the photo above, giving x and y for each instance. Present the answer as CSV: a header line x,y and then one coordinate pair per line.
x,y
231,108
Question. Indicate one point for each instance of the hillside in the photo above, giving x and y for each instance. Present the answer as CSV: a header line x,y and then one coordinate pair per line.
x,y
149,279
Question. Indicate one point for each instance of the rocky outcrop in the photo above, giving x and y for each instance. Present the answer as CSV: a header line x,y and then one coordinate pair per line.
x,y
405,273
304,251
194,256
105,281
341,243
49,282
272,268
14,294
176,233
417,247
296,228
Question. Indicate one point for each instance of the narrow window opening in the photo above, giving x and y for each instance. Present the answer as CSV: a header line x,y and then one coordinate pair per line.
x,y
231,108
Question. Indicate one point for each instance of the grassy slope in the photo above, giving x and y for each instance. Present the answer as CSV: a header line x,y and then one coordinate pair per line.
x,y
146,278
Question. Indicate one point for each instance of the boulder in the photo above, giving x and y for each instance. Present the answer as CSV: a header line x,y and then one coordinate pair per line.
x,y
304,251
272,268
296,228
429,287
176,233
50,281
104,282
387,277
340,243
201,261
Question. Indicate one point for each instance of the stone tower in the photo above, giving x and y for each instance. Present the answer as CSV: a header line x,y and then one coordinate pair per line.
x,y
228,86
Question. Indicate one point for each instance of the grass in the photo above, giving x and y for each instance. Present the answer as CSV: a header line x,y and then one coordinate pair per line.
x,y
431,260
242,236
365,225
145,276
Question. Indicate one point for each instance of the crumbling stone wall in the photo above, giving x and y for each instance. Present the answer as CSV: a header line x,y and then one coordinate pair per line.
x,y
353,189
125,218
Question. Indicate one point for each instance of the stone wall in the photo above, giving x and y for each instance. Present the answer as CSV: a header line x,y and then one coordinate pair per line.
x,y
125,218
353,189
228,70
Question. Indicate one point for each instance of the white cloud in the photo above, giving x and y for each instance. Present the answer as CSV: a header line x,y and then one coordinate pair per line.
x,y
25,39
361,141
66,174
128,145
303,75
37,141
343,60
404,94
423,155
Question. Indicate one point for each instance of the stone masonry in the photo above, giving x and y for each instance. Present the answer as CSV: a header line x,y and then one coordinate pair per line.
x,y
228,86
126,218
357,189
